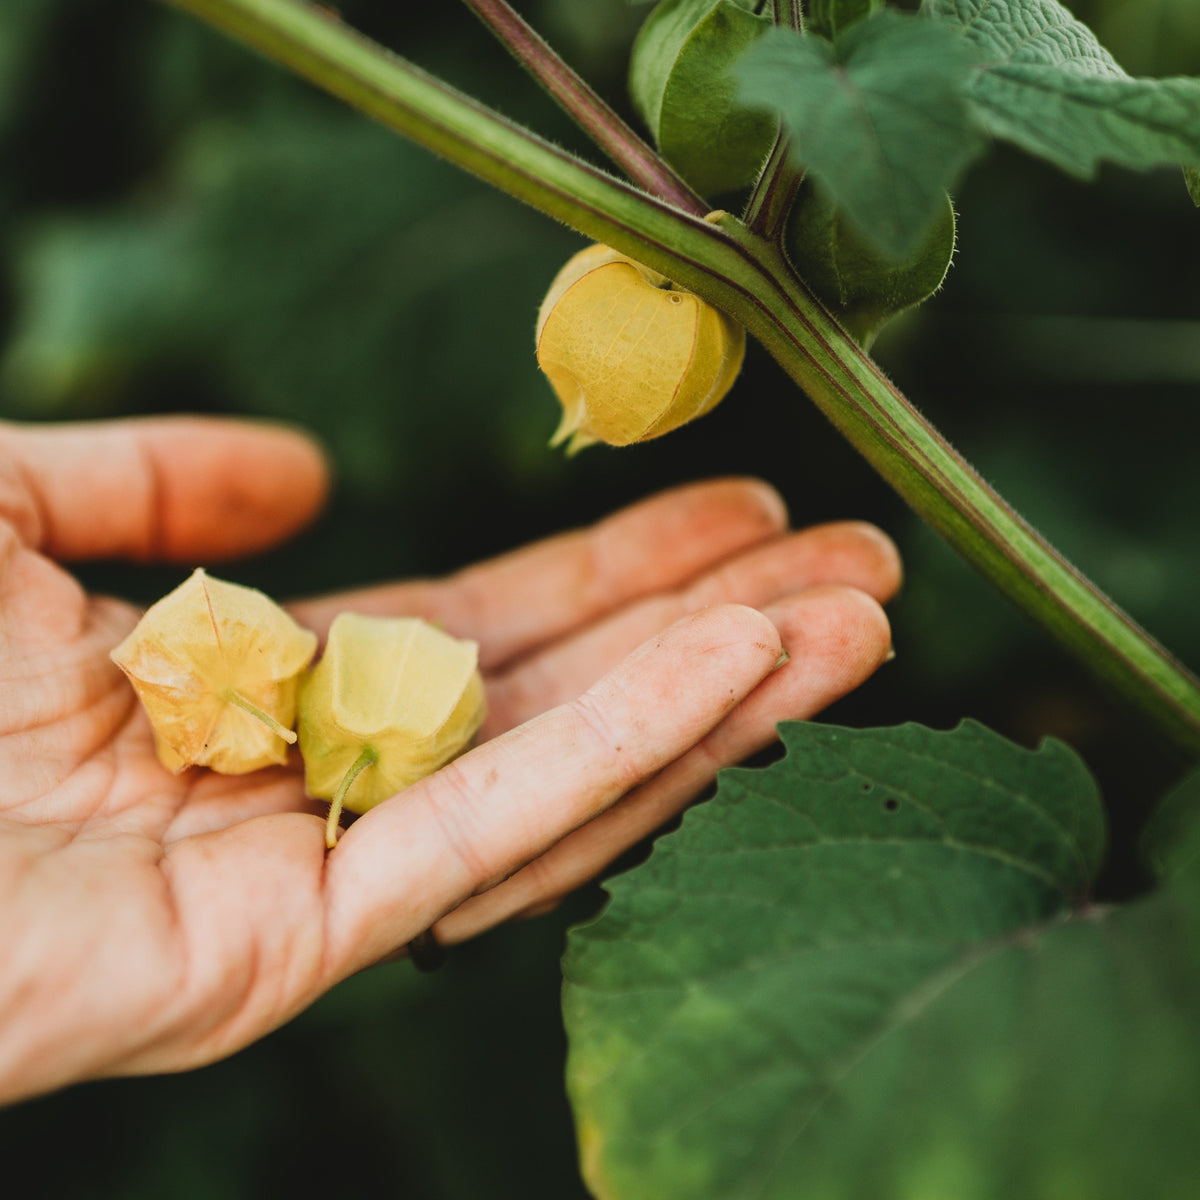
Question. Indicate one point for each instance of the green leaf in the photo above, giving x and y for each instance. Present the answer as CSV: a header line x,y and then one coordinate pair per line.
x,y
1061,1062
829,17
1049,86
878,116
681,84
1191,177
786,942
1170,843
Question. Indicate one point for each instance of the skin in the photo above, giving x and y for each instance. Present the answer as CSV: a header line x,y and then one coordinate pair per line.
x,y
154,922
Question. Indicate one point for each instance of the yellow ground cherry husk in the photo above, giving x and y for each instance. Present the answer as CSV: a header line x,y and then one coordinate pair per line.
x,y
217,667
391,700
630,355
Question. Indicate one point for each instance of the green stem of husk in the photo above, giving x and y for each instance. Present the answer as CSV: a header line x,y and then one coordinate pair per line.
x,y
248,706
367,758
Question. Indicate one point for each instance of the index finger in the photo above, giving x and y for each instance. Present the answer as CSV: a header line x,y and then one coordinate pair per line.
x,y
539,593
181,489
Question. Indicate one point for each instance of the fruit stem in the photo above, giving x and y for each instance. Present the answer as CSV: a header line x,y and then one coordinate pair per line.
x,y
248,706
367,758
585,107
789,13
775,192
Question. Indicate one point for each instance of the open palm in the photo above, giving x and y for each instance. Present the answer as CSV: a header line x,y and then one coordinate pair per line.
x,y
152,922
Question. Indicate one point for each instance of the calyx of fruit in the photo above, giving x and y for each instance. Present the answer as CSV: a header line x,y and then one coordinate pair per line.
x,y
217,667
860,287
680,83
391,700
630,355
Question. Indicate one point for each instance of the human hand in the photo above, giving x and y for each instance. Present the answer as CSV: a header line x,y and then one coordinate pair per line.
x,y
153,922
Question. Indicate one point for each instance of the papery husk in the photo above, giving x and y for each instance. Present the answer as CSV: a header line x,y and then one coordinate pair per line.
x,y
630,355
203,655
398,688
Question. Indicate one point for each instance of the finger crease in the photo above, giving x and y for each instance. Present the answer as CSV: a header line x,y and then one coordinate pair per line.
x,y
453,805
153,483
626,770
37,512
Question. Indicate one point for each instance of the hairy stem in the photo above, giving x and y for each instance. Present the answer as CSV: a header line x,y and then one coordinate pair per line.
x,y
775,190
314,43
945,490
747,276
596,118
789,13
771,200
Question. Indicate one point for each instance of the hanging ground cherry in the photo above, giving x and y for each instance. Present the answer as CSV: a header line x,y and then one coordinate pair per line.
x,y
630,355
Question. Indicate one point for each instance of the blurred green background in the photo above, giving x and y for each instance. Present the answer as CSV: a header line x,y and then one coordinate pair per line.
x,y
184,228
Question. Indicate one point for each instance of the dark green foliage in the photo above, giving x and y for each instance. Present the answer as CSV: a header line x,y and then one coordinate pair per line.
x,y
1048,85
1170,842
871,970
829,17
863,290
890,113
217,271
878,116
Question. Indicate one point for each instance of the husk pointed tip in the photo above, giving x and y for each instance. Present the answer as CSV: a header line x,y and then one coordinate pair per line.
x,y
581,441
566,427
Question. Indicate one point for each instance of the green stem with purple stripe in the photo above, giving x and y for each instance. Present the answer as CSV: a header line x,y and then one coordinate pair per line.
x,y
748,277
596,118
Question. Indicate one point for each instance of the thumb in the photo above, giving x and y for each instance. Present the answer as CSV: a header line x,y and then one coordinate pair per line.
x,y
174,488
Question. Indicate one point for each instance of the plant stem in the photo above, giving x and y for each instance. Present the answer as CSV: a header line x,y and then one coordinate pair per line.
x,y
748,277
789,13
771,200
367,758
775,190
248,706
597,119
946,491
317,45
